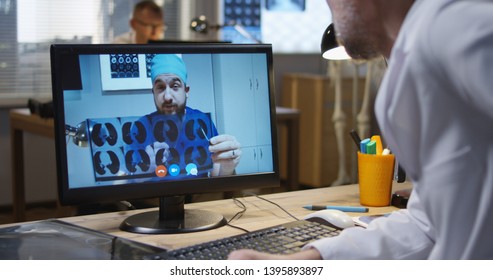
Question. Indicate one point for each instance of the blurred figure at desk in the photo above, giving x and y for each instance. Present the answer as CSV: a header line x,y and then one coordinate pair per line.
x,y
434,108
147,23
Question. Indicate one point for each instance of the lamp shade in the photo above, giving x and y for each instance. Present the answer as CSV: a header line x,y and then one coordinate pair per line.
x,y
330,48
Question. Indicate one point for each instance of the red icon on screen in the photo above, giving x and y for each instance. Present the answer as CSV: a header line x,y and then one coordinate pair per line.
x,y
161,171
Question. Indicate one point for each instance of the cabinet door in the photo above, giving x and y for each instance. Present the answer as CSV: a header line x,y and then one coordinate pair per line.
x,y
242,94
249,161
262,100
264,155
234,97
255,159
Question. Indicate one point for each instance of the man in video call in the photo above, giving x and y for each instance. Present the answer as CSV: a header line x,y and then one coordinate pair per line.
x,y
184,140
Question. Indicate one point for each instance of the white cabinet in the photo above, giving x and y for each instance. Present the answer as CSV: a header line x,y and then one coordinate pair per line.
x,y
255,159
262,103
242,94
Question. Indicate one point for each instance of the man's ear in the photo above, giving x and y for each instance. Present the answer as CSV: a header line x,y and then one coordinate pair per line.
x,y
187,89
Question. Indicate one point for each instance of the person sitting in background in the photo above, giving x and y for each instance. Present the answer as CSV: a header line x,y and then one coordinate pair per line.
x,y
147,23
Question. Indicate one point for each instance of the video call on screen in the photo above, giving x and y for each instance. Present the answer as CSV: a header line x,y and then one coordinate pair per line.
x,y
114,107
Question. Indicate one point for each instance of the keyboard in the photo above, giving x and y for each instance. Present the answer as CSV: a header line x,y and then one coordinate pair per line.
x,y
282,239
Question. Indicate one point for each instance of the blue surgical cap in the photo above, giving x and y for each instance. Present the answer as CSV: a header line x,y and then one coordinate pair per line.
x,y
168,64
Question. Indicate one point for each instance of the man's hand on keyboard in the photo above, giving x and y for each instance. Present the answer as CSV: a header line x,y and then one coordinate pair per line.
x,y
248,254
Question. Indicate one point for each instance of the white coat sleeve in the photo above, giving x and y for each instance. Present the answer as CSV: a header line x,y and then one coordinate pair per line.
x,y
401,235
470,44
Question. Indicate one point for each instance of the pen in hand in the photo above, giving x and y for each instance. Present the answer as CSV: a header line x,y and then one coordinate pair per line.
x,y
205,135
340,208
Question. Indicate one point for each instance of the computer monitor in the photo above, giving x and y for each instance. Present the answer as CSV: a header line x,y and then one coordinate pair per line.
x,y
114,143
177,41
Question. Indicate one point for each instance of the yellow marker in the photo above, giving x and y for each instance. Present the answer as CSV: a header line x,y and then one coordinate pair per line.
x,y
377,139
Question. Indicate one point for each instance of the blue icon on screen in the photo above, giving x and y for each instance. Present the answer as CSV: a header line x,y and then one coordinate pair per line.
x,y
174,170
192,169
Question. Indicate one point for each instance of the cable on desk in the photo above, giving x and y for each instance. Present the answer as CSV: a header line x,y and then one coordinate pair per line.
x,y
237,227
272,202
238,214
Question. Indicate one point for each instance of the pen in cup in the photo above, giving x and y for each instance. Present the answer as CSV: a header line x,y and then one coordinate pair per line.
x,y
356,138
363,145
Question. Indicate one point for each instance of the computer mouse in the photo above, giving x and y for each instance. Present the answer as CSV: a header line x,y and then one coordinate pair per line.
x,y
336,218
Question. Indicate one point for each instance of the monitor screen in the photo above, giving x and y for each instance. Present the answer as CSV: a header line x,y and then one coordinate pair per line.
x,y
165,121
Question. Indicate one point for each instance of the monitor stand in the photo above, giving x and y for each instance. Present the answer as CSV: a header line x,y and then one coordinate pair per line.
x,y
172,217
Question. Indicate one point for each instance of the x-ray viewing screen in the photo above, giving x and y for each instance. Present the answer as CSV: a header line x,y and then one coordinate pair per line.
x,y
154,117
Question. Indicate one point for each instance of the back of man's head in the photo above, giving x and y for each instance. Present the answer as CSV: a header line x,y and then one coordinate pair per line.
x,y
148,5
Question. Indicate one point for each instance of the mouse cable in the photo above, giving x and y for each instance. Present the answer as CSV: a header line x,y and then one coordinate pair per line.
x,y
272,202
238,215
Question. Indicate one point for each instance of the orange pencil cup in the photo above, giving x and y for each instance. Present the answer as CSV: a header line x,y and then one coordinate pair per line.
x,y
375,174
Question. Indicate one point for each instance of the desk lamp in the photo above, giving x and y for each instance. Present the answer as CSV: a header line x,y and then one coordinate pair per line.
x,y
333,51
78,134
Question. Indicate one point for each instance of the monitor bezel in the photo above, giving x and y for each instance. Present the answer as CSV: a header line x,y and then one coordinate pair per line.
x,y
74,196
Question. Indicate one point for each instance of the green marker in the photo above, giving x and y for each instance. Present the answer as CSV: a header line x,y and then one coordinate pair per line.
x,y
371,148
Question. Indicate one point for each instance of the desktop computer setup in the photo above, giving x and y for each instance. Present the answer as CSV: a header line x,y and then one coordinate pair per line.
x,y
114,143
121,147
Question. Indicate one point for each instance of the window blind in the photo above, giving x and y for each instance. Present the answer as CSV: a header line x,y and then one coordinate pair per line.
x,y
29,27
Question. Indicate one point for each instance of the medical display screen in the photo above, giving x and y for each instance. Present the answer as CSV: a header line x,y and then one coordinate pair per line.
x,y
163,121
120,129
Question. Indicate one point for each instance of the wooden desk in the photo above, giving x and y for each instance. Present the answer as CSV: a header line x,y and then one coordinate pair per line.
x,y
22,121
260,214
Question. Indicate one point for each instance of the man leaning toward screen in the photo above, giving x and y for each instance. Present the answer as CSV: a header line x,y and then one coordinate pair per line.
x,y
434,108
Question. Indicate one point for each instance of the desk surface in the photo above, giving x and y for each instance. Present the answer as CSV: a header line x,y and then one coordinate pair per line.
x,y
22,119
259,214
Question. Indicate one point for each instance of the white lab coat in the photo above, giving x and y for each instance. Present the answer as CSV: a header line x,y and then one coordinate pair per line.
x,y
125,38
435,110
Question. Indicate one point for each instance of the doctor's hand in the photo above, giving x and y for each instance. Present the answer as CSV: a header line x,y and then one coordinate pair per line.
x,y
248,254
226,154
